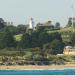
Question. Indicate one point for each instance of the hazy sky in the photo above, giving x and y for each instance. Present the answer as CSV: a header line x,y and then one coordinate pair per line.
x,y
19,11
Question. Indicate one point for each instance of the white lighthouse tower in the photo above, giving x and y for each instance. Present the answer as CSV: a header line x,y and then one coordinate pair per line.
x,y
31,24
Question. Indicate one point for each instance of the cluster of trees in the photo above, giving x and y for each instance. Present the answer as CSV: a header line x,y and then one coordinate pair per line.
x,y
46,42
71,22
20,29
43,40
71,41
39,39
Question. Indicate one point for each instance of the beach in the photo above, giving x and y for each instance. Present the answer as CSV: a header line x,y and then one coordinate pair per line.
x,y
36,67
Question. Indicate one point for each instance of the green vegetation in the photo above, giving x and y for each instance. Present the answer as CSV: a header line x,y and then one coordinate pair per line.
x,y
28,59
42,44
18,37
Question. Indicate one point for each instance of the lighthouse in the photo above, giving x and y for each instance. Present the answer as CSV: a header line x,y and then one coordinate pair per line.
x,y
31,24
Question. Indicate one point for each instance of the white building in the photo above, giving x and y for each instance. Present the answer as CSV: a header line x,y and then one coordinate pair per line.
x,y
31,24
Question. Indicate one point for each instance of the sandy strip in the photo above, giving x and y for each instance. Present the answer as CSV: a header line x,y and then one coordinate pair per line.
x,y
36,67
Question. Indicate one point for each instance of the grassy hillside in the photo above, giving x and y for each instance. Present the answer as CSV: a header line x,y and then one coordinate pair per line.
x,y
18,37
63,31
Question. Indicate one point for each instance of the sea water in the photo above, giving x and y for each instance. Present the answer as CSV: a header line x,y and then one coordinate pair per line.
x,y
38,72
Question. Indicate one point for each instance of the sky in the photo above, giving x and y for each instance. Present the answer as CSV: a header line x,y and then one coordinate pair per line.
x,y
20,11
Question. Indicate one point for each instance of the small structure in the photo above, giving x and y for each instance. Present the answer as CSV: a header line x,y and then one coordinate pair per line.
x,y
48,25
31,24
69,50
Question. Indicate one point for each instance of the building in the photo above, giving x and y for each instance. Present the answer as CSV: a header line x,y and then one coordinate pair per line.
x,y
45,26
31,24
69,50
9,23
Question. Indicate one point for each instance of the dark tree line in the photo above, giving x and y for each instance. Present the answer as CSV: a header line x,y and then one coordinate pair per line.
x,y
32,40
46,42
42,40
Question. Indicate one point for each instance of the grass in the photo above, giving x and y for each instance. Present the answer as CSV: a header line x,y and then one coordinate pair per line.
x,y
18,37
9,53
63,31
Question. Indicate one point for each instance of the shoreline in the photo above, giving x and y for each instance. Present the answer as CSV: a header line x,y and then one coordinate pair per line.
x,y
37,67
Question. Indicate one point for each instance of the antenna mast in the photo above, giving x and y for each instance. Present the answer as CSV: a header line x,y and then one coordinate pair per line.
x,y
72,16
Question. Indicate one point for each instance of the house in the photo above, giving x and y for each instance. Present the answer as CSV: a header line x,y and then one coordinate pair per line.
x,y
47,25
69,50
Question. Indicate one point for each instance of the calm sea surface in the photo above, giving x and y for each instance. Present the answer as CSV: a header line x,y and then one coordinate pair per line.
x,y
38,72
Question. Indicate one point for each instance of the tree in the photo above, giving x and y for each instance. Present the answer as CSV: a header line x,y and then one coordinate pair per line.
x,y
57,25
2,23
1,40
25,41
22,28
39,27
44,38
56,47
72,39
7,40
70,22
55,35
34,39
12,29
46,50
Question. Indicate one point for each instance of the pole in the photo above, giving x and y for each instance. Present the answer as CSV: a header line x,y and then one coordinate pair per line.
x,y
73,16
